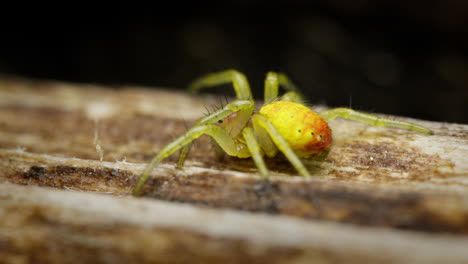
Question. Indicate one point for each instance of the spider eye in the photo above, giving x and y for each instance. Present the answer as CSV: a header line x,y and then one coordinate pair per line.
x,y
220,121
320,137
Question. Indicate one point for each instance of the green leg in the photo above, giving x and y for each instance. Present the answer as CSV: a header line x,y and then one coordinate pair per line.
x,y
264,139
282,145
293,96
371,119
255,151
240,83
225,141
244,109
272,82
183,156
203,126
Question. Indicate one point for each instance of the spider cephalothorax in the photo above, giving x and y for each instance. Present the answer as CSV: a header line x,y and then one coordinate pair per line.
x,y
282,124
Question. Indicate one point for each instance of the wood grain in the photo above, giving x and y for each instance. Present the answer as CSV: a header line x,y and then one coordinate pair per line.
x,y
380,192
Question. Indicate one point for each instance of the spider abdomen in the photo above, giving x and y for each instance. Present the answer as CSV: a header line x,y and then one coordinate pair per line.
x,y
304,130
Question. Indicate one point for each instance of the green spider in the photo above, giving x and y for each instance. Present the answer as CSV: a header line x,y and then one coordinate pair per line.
x,y
281,124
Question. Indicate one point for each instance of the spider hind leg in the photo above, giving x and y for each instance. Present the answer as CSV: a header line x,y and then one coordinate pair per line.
x,y
272,82
371,119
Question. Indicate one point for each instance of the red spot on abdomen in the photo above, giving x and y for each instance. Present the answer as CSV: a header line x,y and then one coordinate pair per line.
x,y
322,138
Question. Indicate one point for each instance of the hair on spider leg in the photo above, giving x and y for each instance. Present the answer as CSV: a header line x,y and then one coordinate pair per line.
x,y
213,107
207,111
221,103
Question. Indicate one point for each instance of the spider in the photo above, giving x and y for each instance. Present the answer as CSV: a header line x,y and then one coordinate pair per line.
x,y
281,124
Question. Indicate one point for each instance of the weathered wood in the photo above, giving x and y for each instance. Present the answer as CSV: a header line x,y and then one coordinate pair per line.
x,y
372,177
50,226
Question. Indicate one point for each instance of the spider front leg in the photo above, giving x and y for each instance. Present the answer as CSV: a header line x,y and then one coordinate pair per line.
x,y
223,137
371,119
225,141
241,87
243,110
240,83
272,82
255,151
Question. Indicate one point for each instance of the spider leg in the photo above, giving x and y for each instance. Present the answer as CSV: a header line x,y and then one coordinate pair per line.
x,y
371,119
183,155
224,140
261,121
293,96
255,151
267,145
244,109
272,82
203,126
240,83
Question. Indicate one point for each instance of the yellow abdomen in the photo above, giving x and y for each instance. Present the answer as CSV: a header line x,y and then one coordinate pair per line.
x,y
304,130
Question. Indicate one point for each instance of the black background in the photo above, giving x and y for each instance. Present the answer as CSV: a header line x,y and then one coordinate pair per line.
x,y
391,57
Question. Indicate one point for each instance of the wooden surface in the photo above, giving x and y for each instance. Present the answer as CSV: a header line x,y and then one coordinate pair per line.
x,y
382,195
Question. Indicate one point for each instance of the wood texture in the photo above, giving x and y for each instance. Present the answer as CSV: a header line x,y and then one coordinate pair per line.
x,y
386,183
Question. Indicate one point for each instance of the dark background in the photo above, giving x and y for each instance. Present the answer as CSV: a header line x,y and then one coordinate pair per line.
x,y
406,58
